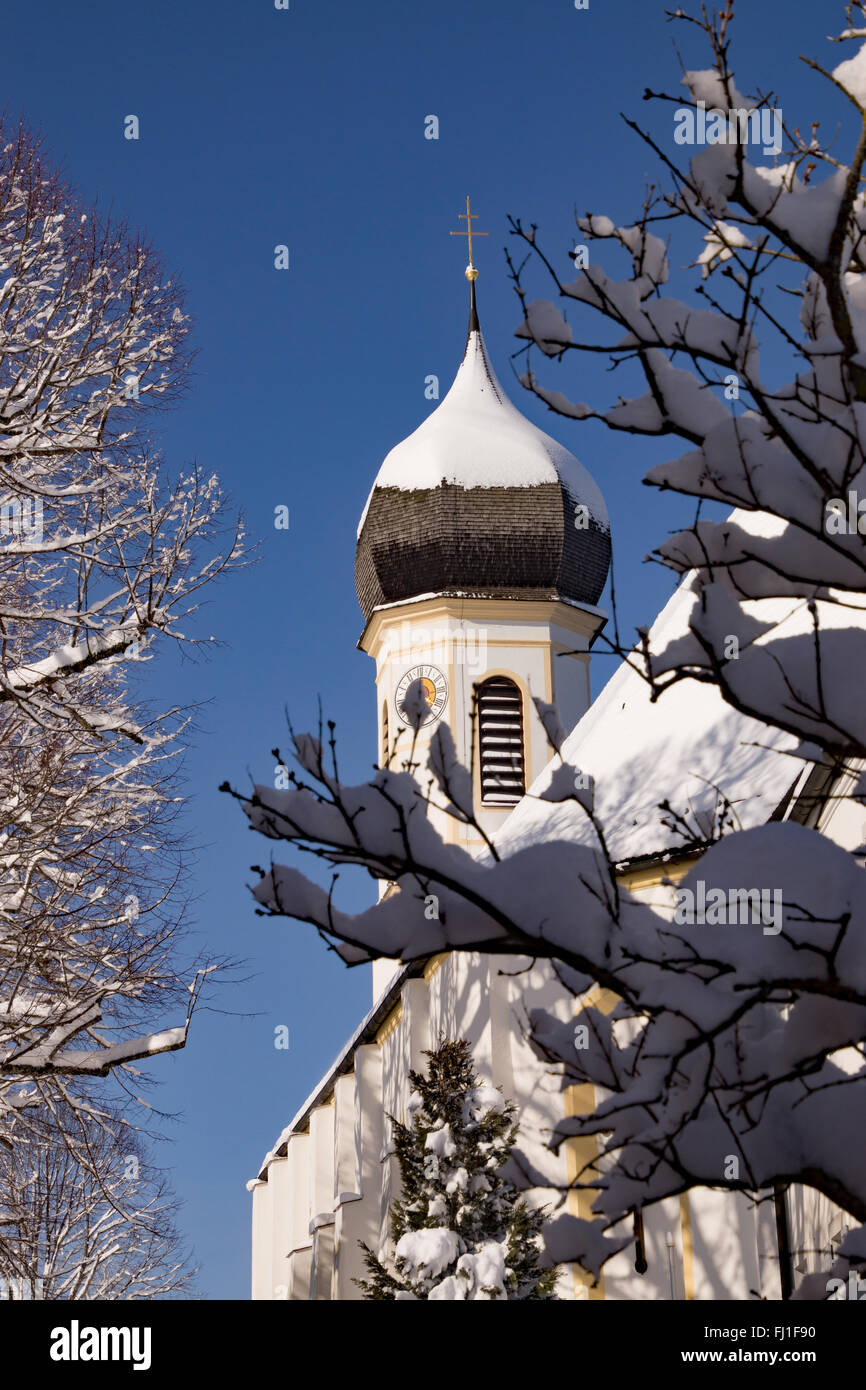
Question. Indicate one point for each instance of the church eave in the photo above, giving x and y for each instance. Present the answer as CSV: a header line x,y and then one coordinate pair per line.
x,y
343,1064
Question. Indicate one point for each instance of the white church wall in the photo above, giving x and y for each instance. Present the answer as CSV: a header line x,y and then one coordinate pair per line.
x,y
724,1241
517,986
384,971
347,1177
459,1006
321,1160
279,1186
321,1200
369,1138
415,1023
262,1241
402,1050
300,1267
665,1277
349,1221
395,1057
300,1244
570,686
322,1257
844,820
816,1226
769,1255
502,1020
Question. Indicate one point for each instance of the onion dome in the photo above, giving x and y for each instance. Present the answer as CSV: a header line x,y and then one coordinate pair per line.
x,y
478,502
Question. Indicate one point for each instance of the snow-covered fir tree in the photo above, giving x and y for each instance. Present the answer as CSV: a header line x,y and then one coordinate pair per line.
x,y
460,1229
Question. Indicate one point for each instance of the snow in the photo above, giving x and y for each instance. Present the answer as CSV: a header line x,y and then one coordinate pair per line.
x,y
551,723
722,240
545,326
427,1253
706,85
437,1208
681,396
852,75
477,438
557,400
479,1276
440,1142
637,753
458,1182
481,1100
807,212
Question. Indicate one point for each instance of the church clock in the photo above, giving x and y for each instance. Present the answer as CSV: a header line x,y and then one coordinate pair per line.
x,y
431,684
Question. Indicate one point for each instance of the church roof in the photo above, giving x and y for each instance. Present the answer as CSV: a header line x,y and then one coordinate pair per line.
x,y
480,501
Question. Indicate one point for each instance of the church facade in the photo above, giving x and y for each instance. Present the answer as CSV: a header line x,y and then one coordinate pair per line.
x,y
482,553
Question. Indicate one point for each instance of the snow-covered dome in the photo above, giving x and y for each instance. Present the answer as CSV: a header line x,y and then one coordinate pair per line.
x,y
480,502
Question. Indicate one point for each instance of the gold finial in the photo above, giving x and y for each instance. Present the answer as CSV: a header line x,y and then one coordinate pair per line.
x,y
468,217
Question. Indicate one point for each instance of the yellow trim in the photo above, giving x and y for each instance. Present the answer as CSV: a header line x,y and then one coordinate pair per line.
x,y
581,1151
489,610
637,879
688,1246
387,1028
578,1153
435,963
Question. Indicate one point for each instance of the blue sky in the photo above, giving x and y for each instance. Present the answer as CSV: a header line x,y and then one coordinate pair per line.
x,y
305,127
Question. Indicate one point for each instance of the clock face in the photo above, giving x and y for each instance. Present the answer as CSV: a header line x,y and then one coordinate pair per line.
x,y
424,682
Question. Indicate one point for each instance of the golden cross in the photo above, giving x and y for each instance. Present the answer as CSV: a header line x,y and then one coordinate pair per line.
x,y
468,217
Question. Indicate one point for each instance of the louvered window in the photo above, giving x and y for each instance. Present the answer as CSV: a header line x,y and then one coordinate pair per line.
x,y
385,749
500,742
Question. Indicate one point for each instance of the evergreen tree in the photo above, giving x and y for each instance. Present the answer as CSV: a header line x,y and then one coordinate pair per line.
x,y
459,1230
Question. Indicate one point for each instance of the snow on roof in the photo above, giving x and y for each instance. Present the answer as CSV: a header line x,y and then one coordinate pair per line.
x,y
477,438
639,753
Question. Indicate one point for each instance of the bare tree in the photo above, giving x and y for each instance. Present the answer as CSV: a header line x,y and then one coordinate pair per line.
x,y
93,1219
723,1041
101,556
100,552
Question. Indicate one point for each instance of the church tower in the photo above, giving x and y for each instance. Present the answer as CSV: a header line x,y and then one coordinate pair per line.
x,y
482,552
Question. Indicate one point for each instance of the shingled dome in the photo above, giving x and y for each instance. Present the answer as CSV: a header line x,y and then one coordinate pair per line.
x,y
478,502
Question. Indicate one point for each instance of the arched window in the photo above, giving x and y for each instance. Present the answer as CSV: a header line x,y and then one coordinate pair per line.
x,y
385,735
500,741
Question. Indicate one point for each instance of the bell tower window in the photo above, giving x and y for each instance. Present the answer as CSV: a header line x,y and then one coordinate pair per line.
x,y
500,741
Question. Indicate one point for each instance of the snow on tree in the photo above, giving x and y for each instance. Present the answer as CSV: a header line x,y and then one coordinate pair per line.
x,y
725,1040
459,1230
100,553
101,556
97,1224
